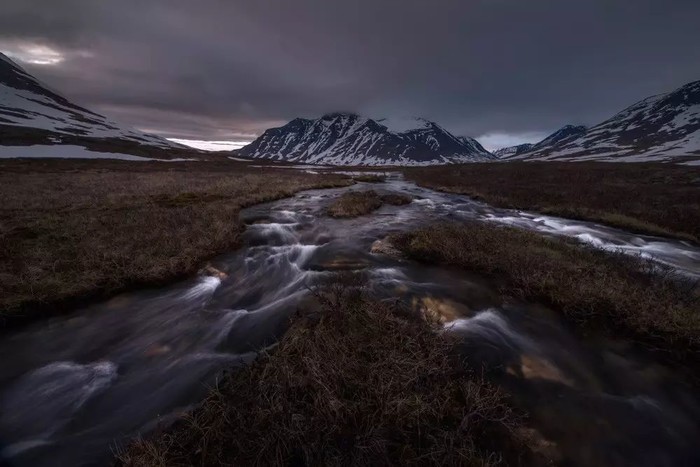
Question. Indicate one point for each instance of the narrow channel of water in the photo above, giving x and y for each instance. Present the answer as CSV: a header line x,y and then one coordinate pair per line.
x,y
72,387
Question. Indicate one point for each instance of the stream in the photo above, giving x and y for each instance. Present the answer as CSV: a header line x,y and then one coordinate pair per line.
x,y
74,387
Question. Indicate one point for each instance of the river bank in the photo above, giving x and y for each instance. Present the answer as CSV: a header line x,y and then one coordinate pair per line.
x,y
572,395
654,199
75,232
82,385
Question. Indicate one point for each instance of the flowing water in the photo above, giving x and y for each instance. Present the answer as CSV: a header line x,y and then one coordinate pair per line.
x,y
73,387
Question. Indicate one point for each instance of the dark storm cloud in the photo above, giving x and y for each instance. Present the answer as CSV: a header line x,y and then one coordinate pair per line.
x,y
228,69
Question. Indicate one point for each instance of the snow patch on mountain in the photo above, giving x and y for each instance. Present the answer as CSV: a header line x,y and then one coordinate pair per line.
x,y
510,151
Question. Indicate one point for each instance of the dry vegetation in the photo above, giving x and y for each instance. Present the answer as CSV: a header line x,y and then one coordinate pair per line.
x,y
360,203
396,199
658,199
356,382
368,178
592,288
72,230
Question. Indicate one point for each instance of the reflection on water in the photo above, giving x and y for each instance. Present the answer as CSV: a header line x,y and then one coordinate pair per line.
x,y
73,385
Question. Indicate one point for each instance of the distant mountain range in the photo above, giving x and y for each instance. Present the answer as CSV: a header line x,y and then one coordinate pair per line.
x,y
665,127
33,114
349,139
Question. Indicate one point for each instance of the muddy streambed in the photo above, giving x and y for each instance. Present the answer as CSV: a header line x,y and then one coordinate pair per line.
x,y
74,387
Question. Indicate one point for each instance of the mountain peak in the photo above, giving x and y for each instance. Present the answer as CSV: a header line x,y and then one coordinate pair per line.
x,y
405,124
334,115
349,139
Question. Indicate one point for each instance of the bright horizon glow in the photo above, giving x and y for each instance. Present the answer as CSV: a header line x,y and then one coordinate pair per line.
x,y
495,141
34,54
210,145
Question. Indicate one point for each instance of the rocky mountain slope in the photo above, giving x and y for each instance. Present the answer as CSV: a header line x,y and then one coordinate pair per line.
x,y
33,114
348,139
665,127
511,151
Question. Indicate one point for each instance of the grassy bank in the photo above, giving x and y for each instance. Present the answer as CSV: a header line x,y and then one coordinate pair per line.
x,y
368,178
355,382
72,230
360,203
593,289
658,199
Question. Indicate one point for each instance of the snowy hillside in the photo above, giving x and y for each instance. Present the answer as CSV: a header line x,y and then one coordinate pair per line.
x,y
31,113
510,151
665,127
348,139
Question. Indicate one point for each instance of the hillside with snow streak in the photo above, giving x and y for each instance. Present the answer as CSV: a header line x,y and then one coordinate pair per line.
x,y
349,139
33,114
661,128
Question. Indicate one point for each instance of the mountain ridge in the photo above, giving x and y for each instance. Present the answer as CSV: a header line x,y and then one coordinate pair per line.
x,y
31,113
659,128
350,139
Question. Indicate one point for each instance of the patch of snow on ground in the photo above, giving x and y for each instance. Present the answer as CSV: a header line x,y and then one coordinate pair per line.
x,y
69,152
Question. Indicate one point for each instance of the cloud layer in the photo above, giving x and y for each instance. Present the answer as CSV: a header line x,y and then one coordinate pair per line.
x,y
226,70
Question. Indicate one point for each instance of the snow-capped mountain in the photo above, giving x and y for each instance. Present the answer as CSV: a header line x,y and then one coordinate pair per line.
x,y
33,114
563,135
510,151
348,139
665,127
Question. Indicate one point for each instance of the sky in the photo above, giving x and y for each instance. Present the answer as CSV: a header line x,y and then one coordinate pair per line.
x,y
220,71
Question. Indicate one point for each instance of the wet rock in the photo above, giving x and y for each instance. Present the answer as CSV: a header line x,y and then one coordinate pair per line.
x,y
442,310
210,270
340,263
386,248
156,350
533,367
120,301
539,444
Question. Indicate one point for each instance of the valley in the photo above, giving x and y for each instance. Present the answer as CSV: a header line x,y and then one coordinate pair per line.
x,y
338,287
536,305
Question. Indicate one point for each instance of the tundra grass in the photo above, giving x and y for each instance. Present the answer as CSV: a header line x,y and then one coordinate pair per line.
x,y
360,203
593,289
356,382
656,199
76,230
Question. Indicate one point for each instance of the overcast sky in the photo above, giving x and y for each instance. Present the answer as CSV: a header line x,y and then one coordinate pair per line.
x,y
504,71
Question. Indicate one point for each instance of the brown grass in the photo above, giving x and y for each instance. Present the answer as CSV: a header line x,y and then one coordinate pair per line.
x,y
355,204
358,382
369,178
657,199
396,199
592,288
74,230
360,203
